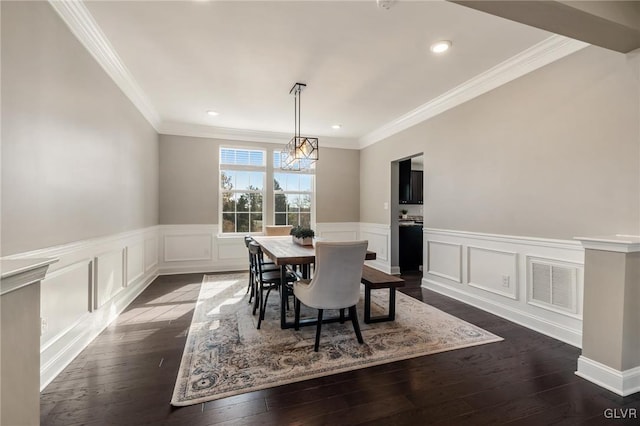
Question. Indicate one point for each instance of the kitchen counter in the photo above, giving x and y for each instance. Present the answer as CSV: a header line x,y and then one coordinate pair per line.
x,y
411,221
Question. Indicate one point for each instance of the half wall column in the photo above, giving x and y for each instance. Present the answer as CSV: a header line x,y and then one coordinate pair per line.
x,y
611,320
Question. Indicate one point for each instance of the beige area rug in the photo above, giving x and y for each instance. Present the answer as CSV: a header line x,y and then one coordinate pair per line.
x,y
226,355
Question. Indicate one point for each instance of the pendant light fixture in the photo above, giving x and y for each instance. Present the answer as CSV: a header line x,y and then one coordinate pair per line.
x,y
301,151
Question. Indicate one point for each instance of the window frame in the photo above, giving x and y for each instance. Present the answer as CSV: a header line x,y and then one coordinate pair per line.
x,y
312,193
248,168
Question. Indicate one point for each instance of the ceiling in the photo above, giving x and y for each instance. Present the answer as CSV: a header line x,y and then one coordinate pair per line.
x,y
365,67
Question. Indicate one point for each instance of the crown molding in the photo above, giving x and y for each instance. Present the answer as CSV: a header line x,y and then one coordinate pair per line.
x,y
228,133
79,20
537,56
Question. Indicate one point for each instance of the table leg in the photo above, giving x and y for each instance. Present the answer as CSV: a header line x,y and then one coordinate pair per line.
x,y
367,304
283,296
392,304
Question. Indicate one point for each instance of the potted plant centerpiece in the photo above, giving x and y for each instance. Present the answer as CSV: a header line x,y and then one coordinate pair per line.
x,y
302,236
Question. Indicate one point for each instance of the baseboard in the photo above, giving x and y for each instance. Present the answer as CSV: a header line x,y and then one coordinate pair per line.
x,y
623,383
203,269
541,325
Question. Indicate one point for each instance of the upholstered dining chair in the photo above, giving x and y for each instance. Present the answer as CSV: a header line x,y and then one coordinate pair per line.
x,y
335,283
277,230
266,280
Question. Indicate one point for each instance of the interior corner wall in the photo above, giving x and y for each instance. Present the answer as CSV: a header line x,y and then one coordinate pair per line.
x,y
189,180
552,154
78,159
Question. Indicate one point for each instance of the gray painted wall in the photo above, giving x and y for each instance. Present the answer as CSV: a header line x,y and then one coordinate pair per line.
x,y
553,154
611,309
189,181
78,159
338,185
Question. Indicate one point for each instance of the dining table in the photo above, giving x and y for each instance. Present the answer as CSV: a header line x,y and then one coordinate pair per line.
x,y
284,252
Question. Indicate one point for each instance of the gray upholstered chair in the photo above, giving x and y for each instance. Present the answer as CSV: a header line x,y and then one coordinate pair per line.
x,y
277,230
335,283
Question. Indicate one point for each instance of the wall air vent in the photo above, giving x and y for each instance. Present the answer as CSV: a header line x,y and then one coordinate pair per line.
x,y
553,285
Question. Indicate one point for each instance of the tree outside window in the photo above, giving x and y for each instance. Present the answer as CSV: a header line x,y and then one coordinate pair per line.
x,y
293,195
242,177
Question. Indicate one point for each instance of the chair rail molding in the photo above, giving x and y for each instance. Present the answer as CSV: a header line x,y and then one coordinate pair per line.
x,y
494,272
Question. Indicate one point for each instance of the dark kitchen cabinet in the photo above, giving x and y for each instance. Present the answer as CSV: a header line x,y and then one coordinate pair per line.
x,y
410,245
410,189
416,187
405,181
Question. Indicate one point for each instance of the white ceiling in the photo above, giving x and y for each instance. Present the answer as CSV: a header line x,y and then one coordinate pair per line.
x,y
364,67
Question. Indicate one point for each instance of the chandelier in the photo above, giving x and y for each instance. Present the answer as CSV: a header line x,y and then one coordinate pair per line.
x,y
301,151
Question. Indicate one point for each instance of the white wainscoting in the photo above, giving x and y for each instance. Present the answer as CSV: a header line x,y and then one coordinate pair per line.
x,y
444,260
199,248
492,272
379,237
108,272
92,282
95,280
338,231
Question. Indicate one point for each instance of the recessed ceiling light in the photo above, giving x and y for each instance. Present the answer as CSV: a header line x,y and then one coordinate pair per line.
x,y
213,113
440,46
336,126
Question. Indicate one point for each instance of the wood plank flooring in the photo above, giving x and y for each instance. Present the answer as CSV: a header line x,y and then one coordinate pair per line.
x,y
126,377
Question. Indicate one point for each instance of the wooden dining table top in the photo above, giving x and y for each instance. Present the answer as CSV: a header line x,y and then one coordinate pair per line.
x,y
283,251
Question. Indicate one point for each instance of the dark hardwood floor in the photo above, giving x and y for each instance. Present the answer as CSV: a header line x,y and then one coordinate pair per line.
x,y
126,377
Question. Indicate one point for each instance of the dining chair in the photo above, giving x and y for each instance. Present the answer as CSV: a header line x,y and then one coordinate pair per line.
x,y
266,280
277,230
266,266
335,283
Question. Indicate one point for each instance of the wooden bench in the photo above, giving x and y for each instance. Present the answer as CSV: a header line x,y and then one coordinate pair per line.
x,y
374,279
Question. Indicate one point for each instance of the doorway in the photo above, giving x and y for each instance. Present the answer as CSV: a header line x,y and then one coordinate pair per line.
x,y
407,215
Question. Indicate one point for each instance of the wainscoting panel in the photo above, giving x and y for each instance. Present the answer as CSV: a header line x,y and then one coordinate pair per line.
x,y
108,272
134,262
199,248
231,249
379,237
65,296
85,290
495,273
339,231
444,260
493,270
150,253
187,247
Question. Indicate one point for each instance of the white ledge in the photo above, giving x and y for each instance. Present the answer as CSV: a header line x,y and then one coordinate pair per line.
x,y
617,243
18,273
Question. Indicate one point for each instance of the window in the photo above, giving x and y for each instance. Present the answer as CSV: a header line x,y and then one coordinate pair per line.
x,y
242,186
292,194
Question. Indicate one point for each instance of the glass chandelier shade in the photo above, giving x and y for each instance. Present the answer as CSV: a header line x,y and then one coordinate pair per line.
x,y
301,151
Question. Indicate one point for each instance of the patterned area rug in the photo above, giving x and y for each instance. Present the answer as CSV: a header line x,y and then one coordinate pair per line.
x,y
226,355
